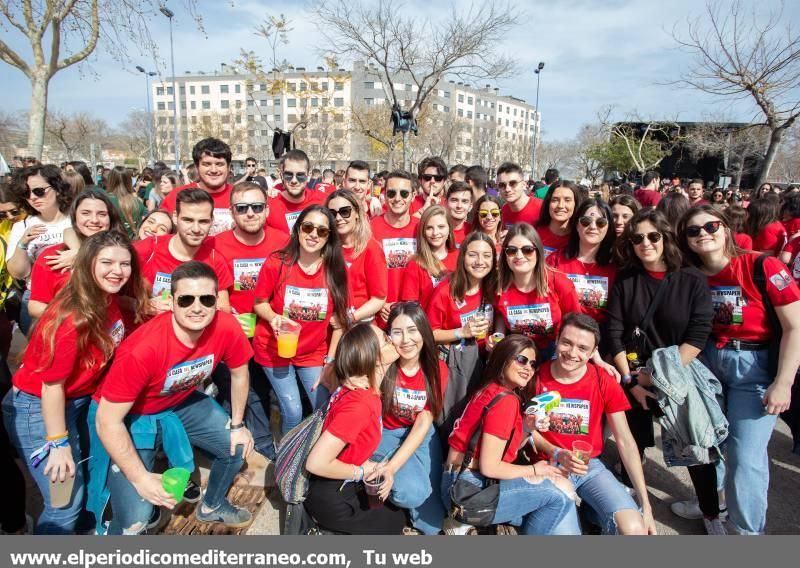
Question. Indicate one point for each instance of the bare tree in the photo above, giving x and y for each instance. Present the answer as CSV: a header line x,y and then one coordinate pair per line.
x,y
74,132
786,167
63,33
397,44
741,54
737,145
11,134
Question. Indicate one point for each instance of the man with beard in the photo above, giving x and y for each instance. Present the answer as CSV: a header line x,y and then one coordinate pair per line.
x,y
293,195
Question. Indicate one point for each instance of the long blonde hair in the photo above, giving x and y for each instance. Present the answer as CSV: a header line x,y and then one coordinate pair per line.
x,y
120,185
425,257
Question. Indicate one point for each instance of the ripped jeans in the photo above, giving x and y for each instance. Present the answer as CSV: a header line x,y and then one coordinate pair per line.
x,y
284,384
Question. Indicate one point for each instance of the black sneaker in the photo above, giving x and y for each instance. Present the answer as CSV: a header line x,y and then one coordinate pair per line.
x,y
193,493
155,519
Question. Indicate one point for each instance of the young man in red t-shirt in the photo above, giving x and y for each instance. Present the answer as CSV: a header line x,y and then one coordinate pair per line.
x,y
159,256
431,174
356,179
294,194
396,232
588,393
695,192
648,195
458,206
212,158
152,388
519,206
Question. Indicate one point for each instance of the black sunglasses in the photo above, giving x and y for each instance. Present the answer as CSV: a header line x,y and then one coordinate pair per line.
x,y
711,227
522,360
8,214
511,184
241,208
638,238
38,191
527,250
187,300
345,212
586,221
429,177
299,176
392,193
308,227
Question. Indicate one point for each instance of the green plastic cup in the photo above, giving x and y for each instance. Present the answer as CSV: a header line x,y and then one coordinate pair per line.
x,y
248,322
174,482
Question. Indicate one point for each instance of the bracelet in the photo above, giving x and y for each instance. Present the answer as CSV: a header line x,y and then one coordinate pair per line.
x,y
554,456
22,246
459,334
57,437
358,473
626,379
328,360
238,426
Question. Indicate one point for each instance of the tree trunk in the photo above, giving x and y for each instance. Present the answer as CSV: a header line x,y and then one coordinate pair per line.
x,y
775,137
737,180
37,115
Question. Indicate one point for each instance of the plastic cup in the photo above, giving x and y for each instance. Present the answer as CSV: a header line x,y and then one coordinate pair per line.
x,y
372,487
480,317
174,482
61,492
248,322
497,338
582,450
288,336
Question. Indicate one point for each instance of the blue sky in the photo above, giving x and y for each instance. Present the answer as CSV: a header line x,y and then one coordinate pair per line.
x,y
597,52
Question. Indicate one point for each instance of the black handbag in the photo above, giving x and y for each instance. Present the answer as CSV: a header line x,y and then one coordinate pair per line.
x,y
470,504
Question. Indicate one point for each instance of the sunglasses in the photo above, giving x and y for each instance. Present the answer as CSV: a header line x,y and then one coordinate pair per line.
x,y
711,227
435,177
187,300
527,250
38,191
392,193
308,227
483,213
522,361
638,238
587,221
8,214
344,212
251,165
501,185
299,176
241,208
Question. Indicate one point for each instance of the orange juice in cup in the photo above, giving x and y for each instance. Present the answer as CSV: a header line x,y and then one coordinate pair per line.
x,y
288,336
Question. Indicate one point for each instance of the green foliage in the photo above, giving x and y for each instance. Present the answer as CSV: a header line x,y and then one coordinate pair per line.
x,y
627,153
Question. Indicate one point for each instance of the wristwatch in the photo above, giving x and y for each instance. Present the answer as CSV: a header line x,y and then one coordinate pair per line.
x,y
328,359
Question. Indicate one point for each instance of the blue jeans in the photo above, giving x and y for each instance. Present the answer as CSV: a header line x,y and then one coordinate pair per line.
x,y
22,414
205,423
284,384
536,508
744,379
603,494
417,483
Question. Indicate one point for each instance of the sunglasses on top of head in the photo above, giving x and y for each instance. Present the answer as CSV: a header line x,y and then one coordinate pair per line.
x,y
711,227
188,300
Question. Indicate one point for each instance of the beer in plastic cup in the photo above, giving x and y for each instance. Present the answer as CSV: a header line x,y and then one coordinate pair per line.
x,y
248,322
288,335
174,482
582,450
372,487
496,338
61,492
480,317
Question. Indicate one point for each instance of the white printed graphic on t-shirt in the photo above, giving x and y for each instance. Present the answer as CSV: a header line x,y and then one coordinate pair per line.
x,y
223,221
188,375
52,236
592,290
117,332
488,310
245,273
408,403
727,302
570,417
398,251
291,219
781,280
549,250
436,280
796,268
161,283
305,304
534,319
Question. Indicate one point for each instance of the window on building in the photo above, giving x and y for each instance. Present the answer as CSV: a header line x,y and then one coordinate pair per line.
x,y
469,114
338,133
447,109
205,90
225,119
237,88
469,100
170,105
461,98
206,105
276,118
251,133
162,120
159,91
292,87
191,89
461,112
263,87
323,86
325,101
183,105
369,101
225,104
169,90
447,94
251,103
314,102
223,89
338,118
303,85
338,149
338,102
162,106
499,107
238,104
291,103
339,86
193,105
276,102
369,84
182,90
265,132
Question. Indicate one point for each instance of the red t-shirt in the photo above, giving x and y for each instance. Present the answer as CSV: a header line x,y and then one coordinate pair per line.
x,y
535,315
647,197
156,371
738,310
244,263
772,238
418,283
419,202
302,298
355,418
579,416
46,282
283,213
68,365
158,263
528,214
743,241
444,312
794,264
503,420
592,283
411,397
325,188
223,219
367,275
552,242
460,234
792,226
399,246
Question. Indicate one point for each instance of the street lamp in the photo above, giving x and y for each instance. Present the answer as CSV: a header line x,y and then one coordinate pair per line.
x,y
147,75
537,71
170,14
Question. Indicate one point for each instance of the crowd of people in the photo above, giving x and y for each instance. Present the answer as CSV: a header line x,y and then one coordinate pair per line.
x,y
424,313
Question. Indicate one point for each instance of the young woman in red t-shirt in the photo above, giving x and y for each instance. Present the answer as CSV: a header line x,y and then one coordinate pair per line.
x,y
737,220
587,259
156,223
306,281
340,459
435,258
756,389
558,215
412,394
488,219
367,274
763,225
534,497
62,365
623,208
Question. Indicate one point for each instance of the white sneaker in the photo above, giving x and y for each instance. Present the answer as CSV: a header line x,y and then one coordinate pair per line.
x,y
714,527
453,527
691,510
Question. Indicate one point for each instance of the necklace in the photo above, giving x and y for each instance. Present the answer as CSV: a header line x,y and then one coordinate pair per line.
x,y
311,268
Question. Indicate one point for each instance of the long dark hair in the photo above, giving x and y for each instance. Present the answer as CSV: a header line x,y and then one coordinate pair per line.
x,y
459,280
578,194
605,254
357,354
476,221
332,259
428,359
760,213
674,206
93,193
691,257
503,353
52,174
626,256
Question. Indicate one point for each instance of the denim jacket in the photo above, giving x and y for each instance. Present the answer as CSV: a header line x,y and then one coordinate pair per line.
x,y
693,425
